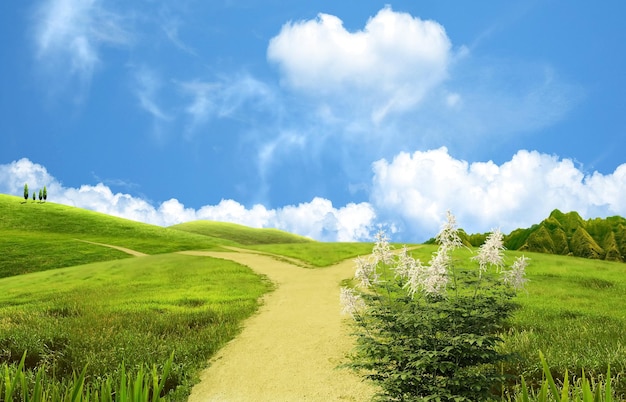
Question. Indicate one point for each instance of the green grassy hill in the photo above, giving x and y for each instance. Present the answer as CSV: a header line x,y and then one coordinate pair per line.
x,y
240,234
40,236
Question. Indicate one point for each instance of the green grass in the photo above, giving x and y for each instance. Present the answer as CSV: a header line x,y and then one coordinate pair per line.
x,y
136,310
277,242
40,236
240,234
572,309
145,385
317,254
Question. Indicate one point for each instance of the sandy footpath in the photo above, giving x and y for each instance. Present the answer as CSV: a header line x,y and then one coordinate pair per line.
x,y
289,350
123,249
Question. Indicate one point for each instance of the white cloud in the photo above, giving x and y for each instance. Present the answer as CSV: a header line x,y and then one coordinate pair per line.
x,y
170,28
416,190
147,88
410,193
317,219
69,33
399,83
392,63
225,98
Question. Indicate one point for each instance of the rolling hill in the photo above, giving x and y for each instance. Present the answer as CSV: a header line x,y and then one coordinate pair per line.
x,y
240,234
41,236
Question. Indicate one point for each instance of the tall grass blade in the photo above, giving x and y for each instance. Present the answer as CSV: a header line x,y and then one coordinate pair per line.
x,y
549,379
10,384
586,388
79,384
122,390
155,384
138,386
565,389
543,394
525,397
608,393
24,384
38,389
106,391
161,384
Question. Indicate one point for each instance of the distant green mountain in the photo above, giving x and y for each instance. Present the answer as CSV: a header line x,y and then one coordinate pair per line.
x,y
569,234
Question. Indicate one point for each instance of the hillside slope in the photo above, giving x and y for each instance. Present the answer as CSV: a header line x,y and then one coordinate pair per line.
x,y
240,234
38,236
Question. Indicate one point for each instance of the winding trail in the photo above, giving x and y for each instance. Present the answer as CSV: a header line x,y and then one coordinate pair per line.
x,y
290,349
123,249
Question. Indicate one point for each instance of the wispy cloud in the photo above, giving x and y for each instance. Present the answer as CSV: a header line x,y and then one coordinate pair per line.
x,y
147,88
171,29
231,96
68,35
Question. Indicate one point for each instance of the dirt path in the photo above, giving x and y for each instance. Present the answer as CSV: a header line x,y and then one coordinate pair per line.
x,y
290,349
123,249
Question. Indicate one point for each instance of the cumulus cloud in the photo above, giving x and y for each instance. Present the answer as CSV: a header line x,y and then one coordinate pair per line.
x,y
320,220
317,219
68,35
399,83
416,190
392,62
411,193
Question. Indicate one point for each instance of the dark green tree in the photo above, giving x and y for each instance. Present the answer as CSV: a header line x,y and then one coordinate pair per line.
x,y
26,191
34,196
40,195
45,193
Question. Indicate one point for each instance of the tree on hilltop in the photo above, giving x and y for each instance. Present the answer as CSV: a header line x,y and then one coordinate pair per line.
x,y
26,191
40,195
45,193
34,196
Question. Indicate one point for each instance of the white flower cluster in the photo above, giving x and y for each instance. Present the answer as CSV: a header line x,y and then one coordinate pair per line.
x,y
431,279
366,273
491,252
351,303
515,276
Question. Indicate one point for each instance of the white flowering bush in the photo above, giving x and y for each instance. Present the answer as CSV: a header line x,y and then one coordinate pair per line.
x,y
430,331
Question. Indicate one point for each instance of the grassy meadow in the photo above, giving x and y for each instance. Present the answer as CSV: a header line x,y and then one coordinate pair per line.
x,y
138,311
574,311
71,305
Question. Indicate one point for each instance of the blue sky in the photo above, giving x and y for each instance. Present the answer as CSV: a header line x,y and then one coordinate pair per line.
x,y
327,119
